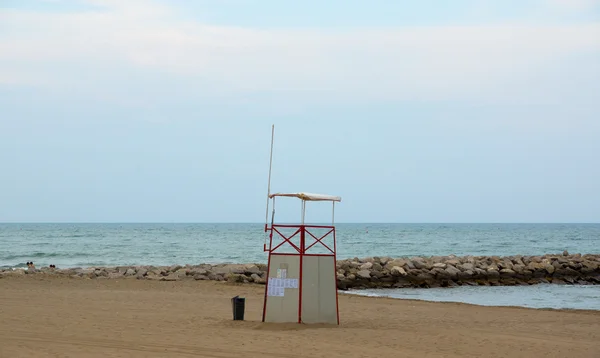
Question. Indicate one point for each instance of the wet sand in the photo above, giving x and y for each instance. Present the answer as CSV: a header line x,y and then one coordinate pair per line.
x,y
43,316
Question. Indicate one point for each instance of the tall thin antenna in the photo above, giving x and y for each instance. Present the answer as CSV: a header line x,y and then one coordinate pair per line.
x,y
269,185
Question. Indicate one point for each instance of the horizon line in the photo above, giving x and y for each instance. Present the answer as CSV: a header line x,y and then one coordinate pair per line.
x,y
313,223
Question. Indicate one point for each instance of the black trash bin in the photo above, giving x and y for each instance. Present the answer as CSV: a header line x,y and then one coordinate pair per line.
x,y
239,306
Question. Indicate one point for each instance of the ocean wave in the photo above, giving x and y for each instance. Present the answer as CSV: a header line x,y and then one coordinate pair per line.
x,y
21,265
43,255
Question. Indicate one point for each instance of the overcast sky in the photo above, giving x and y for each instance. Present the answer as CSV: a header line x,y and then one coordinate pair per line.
x,y
433,111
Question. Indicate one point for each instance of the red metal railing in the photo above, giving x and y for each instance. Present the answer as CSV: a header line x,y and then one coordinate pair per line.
x,y
303,231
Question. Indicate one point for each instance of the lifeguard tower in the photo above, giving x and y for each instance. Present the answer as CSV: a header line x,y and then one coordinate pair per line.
x,y
301,273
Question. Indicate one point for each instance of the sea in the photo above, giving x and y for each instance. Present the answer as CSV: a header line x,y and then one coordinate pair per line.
x,y
104,244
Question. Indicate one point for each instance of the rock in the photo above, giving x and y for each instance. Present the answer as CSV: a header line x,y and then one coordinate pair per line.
x,y
464,275
181,273
252,269
533,266
505,264
438,259
409,265
364,274
517,260
398,262
507,272
439,265
440,273
141,272
565,253
385,260
151,275
84,272
550,269
198,271
518,268
130,272
229,268
493,273
398,271
235,277
452,271
114,275
174,268
453,262
366,266
419,264
589,266
467,266
566,272
17,272
424,277
480,272
172,277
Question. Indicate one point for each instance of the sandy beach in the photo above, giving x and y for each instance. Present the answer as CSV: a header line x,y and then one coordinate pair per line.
x,y
42,316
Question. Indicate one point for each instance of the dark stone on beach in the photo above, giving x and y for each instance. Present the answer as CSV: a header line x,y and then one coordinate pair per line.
x,y
141,272
151,275
172,277
387,279
364,273
566,272
423,278
491,274
452,271
507,273
440,273
568,279
465,275
467,267
252,269
506,281
418,264
594,279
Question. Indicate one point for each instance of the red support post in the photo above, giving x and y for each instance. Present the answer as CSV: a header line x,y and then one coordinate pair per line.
x,y
302,237
337,306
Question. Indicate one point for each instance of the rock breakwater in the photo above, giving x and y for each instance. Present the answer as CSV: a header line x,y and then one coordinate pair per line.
x,y
374,272
450,271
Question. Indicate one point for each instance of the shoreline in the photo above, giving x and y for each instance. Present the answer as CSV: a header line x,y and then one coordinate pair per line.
x,y
373,272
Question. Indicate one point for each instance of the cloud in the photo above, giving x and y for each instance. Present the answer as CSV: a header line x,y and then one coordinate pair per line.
x,y
88,50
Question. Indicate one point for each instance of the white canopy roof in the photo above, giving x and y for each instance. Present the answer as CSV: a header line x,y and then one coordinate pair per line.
x,y
309,196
